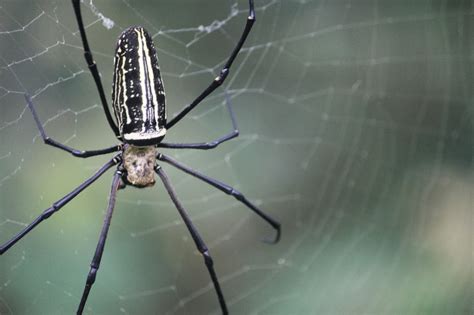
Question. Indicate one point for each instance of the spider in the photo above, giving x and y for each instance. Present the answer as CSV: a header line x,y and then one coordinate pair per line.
x,y
138,102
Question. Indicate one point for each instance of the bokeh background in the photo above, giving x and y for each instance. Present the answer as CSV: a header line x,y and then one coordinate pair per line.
x,y
356,134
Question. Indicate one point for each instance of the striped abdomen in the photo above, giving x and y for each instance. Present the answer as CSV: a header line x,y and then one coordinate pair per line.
x,y
138,96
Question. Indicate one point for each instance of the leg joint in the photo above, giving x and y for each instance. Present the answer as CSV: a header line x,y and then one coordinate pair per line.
x,y
222,76
207,258
237,194
49,212
78,153
212,144
91,276
89,59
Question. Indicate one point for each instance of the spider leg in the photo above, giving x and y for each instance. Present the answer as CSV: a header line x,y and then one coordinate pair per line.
x,y
228,190
59,204
93,67
224,72
101,243
201,246
212,144
54,143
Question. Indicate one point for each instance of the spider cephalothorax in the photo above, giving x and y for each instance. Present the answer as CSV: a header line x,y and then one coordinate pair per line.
x,y
139,164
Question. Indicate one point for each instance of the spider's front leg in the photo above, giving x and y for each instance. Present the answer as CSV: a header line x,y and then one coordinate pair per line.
x,y
56,144
201,246
228,190
59,204
94,267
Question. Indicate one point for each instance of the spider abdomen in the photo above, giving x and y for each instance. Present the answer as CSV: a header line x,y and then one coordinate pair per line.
x,y
138,96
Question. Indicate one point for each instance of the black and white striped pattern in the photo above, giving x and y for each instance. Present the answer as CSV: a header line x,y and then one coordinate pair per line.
x,y
138,95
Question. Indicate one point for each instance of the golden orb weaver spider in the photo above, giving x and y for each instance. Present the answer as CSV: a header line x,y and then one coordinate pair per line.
x,y
138,102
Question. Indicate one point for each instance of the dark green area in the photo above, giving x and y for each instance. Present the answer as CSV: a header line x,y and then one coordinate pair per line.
x,y
356,133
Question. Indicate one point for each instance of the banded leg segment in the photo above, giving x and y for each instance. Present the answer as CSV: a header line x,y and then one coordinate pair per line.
x,y
47,140
228,190
224,72
58,205
101,244
93,67
201,246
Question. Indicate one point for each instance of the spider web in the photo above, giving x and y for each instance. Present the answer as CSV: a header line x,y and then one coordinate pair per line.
x,y
356,134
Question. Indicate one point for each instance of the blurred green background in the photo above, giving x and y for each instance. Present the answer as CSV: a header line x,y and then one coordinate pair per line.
x,y
356,133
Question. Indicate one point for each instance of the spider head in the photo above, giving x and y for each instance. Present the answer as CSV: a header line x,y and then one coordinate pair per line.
x,y
139,163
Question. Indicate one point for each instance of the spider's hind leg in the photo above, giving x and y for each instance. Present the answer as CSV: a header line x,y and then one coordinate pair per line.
x,y
219,80
47,140
93,67
211,144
